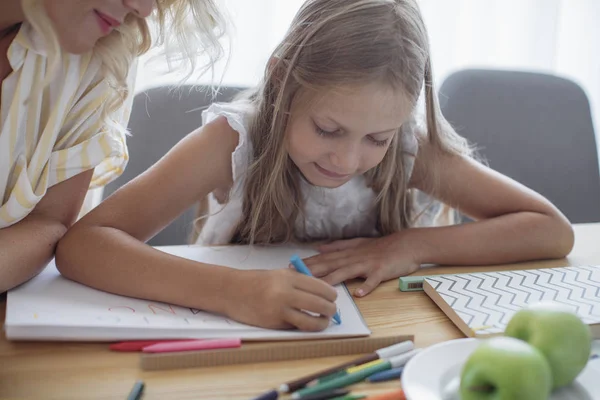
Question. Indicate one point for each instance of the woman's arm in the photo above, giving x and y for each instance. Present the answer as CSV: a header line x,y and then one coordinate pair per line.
x,y
27,246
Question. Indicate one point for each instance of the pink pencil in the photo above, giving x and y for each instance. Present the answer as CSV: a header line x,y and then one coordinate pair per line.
x,y
188,345
138,345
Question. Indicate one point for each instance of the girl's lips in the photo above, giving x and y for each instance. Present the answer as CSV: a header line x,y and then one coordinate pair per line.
x,y
331,174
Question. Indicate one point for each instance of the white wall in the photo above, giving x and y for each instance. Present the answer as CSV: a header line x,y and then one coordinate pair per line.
x,y
555,36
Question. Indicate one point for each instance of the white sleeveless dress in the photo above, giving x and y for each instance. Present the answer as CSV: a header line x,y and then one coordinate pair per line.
x,y
344,212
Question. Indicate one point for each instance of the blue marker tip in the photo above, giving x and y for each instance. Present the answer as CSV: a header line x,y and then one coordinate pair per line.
x,y
303,269
299,265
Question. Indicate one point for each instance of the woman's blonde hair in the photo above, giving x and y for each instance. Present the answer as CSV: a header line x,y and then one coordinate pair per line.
x,y
330,44
186,29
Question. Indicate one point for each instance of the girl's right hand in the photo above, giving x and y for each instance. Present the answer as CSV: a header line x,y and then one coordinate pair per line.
x,y
279,299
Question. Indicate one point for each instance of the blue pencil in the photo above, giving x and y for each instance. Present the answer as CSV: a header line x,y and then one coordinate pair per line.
x,y
389,375
303,269
137,391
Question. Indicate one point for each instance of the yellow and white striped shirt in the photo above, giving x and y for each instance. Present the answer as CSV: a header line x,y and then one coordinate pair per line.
x,y
57,134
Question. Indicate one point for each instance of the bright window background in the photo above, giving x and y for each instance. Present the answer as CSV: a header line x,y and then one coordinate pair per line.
x,y
555,36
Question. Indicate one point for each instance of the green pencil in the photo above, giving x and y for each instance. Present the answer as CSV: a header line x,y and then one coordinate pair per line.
x,y
329,377
347,380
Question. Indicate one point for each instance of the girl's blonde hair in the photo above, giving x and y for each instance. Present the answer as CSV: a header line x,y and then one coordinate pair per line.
x,y
334,43
194,28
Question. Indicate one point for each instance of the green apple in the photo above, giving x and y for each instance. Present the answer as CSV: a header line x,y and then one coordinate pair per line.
x,y
560,335
503,368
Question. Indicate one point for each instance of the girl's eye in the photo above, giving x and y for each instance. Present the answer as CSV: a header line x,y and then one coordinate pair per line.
x,y
323,132
378,142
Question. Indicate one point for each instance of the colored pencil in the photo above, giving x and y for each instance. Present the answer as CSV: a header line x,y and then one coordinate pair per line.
x,y
270,395
193,345
303,269
138,345
363,366
137,392
328,377
394,373
344,372
344,381
386,352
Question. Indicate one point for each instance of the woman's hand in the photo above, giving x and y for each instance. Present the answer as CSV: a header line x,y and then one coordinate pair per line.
x,y
281,299
375,259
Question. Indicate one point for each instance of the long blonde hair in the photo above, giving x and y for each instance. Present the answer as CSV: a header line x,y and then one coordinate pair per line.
x,y
194,28
333,43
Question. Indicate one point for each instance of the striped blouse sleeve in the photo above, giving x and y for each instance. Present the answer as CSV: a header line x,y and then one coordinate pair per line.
x,y
87,140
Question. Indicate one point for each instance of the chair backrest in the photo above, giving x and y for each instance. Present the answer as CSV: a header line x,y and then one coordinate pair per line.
x,y
532,127
160,118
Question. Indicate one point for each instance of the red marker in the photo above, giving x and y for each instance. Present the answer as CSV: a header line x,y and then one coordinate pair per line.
x,y
138,345
193,345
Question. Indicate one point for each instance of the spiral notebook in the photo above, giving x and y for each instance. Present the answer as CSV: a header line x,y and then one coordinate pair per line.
x,y
50,307
481,304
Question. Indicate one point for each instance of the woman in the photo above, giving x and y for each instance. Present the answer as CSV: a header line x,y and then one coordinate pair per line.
x,y
65,73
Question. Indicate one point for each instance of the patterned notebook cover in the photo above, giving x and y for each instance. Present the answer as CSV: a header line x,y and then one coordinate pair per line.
x,y
481,304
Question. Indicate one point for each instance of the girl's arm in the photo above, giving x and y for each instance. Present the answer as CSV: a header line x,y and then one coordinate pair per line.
x,y
513,223
106,248
27,246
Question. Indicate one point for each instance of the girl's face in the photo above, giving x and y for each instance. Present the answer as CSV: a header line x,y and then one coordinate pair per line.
x,y
336,135
79,24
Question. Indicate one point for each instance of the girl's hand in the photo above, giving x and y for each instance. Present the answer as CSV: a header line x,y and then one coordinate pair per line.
x,y
375,259
279,300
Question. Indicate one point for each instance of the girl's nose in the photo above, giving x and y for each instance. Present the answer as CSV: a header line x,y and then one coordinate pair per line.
x,y
345,158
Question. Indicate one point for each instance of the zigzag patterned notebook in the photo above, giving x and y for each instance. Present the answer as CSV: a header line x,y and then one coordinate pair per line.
x,y
481,304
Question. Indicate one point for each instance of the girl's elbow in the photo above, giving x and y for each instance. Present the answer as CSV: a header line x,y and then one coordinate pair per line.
x,y
564,237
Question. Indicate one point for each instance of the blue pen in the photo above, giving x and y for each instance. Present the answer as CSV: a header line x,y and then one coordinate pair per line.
x,y
303,269
389,375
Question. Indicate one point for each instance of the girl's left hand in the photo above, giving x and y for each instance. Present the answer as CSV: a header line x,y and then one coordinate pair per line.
x,y
375,259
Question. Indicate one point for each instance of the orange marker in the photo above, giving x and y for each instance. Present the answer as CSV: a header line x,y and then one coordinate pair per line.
x,y
393,395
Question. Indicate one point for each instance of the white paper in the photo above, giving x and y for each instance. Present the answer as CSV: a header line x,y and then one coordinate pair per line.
x,y
50,307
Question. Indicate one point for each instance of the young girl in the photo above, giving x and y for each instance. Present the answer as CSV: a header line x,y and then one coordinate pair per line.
x,y
65,98
327,148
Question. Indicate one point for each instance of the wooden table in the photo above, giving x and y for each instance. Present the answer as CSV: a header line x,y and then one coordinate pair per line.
x,y
90,371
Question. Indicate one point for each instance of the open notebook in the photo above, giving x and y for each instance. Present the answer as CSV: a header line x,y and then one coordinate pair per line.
x,y
50,307
481,304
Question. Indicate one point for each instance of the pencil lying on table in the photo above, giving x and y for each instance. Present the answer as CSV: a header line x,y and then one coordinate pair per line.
x,y
350,379
387,352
